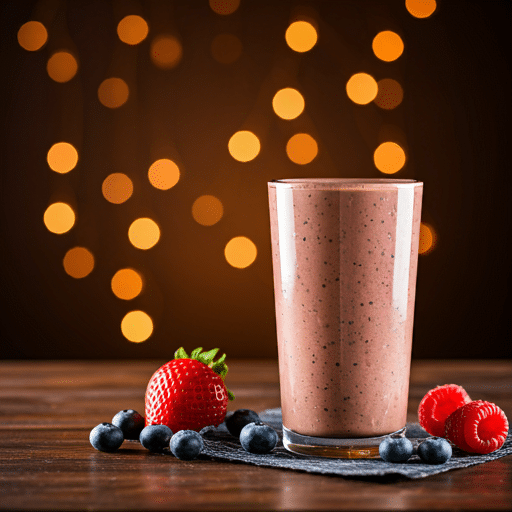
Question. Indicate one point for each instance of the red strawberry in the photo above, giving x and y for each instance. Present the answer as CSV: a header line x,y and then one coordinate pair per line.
x,y
188,393
438,404
477,427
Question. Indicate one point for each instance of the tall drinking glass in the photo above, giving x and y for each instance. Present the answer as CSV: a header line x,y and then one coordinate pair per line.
x,y
345,255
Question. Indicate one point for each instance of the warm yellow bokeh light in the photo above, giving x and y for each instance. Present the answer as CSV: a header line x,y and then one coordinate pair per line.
x,y
288,103
240,252
421,8
113,92
62,157
166,51
244,146
301,36
390,94
428,239
132,29
226,48
117,188
78,262
144,233
62,67
207,210
301,148
32,36
224,6
362,88
389,157
137,326
163,174
126,284
387,45
59,218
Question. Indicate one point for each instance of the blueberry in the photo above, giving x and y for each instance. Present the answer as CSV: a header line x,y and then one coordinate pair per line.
x,y
435,450
130,422
256,437
237,421
106,437
155,437
186,444
397,449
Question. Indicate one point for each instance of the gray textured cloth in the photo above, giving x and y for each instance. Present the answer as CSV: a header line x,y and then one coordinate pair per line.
x,y
220,445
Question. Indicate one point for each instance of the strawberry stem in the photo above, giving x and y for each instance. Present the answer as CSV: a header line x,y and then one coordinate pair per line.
x,y
207,358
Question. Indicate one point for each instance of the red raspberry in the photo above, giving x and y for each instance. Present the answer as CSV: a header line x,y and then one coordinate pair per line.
x,y
477,427
438,404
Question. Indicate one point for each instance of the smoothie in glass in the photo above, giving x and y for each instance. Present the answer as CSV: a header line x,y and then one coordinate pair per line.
x,y
345,255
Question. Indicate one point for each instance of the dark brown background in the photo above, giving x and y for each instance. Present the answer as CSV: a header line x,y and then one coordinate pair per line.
x,y
454,123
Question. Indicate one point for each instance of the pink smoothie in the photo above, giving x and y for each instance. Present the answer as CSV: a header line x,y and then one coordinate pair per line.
x,y
345,256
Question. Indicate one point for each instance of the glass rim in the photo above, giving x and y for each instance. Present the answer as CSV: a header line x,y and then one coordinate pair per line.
x,y
350,183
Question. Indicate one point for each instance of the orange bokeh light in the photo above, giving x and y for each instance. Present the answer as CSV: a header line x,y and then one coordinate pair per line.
x,y
137,326
126,284
113,92
301,148
301,36
224,7
32,36
244,146
421,8
389,157
117,188
62,67
132,29
207,210
78,262
166,51
240,252
163,174
387,46
62,157
362,88
390,94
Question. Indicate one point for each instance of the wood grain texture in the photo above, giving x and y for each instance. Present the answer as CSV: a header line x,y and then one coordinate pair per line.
x,y
47,409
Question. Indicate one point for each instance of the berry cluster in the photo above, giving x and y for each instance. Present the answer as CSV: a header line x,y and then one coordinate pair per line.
x,y
129,424
448,414
473,426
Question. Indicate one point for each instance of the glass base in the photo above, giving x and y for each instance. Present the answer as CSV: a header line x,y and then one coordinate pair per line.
x,y
354,448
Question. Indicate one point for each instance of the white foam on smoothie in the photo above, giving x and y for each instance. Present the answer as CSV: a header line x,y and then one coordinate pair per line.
x,y
403,237
286,229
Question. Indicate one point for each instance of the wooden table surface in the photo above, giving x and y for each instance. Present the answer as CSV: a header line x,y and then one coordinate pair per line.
x,y
47,409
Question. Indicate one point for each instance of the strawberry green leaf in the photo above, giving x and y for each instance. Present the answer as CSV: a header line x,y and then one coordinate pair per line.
x,y
195,352
180,354
207,357
231,395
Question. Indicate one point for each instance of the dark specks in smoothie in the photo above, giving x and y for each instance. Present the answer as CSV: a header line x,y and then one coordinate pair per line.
x,y
392,255
323,286
366,341
382,222
362,304
337,279
370,302
330,239
337,364
310,196
325,409
350,322
354,364
305,222
304,239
